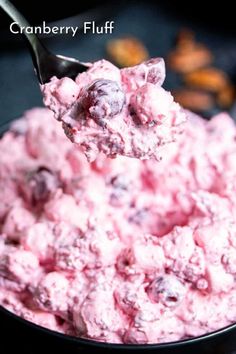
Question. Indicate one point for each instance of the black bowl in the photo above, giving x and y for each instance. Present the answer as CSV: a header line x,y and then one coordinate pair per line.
x,y
30,338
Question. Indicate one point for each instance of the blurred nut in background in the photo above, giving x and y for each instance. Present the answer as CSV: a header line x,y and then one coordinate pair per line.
x,y
226,96
194,100
188,55
210,79
127,51
185,39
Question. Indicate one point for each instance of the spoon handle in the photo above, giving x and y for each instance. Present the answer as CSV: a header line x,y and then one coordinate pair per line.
x,y
45,63
37,49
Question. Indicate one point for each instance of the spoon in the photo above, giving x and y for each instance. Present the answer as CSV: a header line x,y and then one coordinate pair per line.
x,y
45,63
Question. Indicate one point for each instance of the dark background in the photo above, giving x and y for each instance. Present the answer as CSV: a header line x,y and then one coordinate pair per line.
x,y
218,14
156,23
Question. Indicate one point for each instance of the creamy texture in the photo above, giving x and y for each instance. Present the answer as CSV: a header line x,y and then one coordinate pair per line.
x,y
121,250
117,112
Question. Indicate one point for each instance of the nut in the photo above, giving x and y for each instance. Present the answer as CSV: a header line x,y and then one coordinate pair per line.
x,y
187,59
127,51
185,39
226,96
188,55
209,79
194,100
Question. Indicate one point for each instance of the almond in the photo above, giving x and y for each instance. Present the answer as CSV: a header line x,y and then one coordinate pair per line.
x,y
127,51
194,100
188,55
226,96
188,58
210,79
185,39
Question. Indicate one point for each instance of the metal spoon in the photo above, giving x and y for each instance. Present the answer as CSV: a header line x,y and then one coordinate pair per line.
x,y
46,64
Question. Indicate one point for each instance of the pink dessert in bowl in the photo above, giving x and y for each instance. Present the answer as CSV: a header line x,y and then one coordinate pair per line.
x,y
119,250
117,112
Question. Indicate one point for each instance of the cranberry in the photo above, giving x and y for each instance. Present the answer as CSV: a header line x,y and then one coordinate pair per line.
x,y
120,182
103,99
125,262
120,189
42,183
139,216
166,289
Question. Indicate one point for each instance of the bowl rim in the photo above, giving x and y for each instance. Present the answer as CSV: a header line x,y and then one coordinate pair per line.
x,y
106,345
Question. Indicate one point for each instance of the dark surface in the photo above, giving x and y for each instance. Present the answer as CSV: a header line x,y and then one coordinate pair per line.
x,y
152,22
157,27
201,11
30,339
37,11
